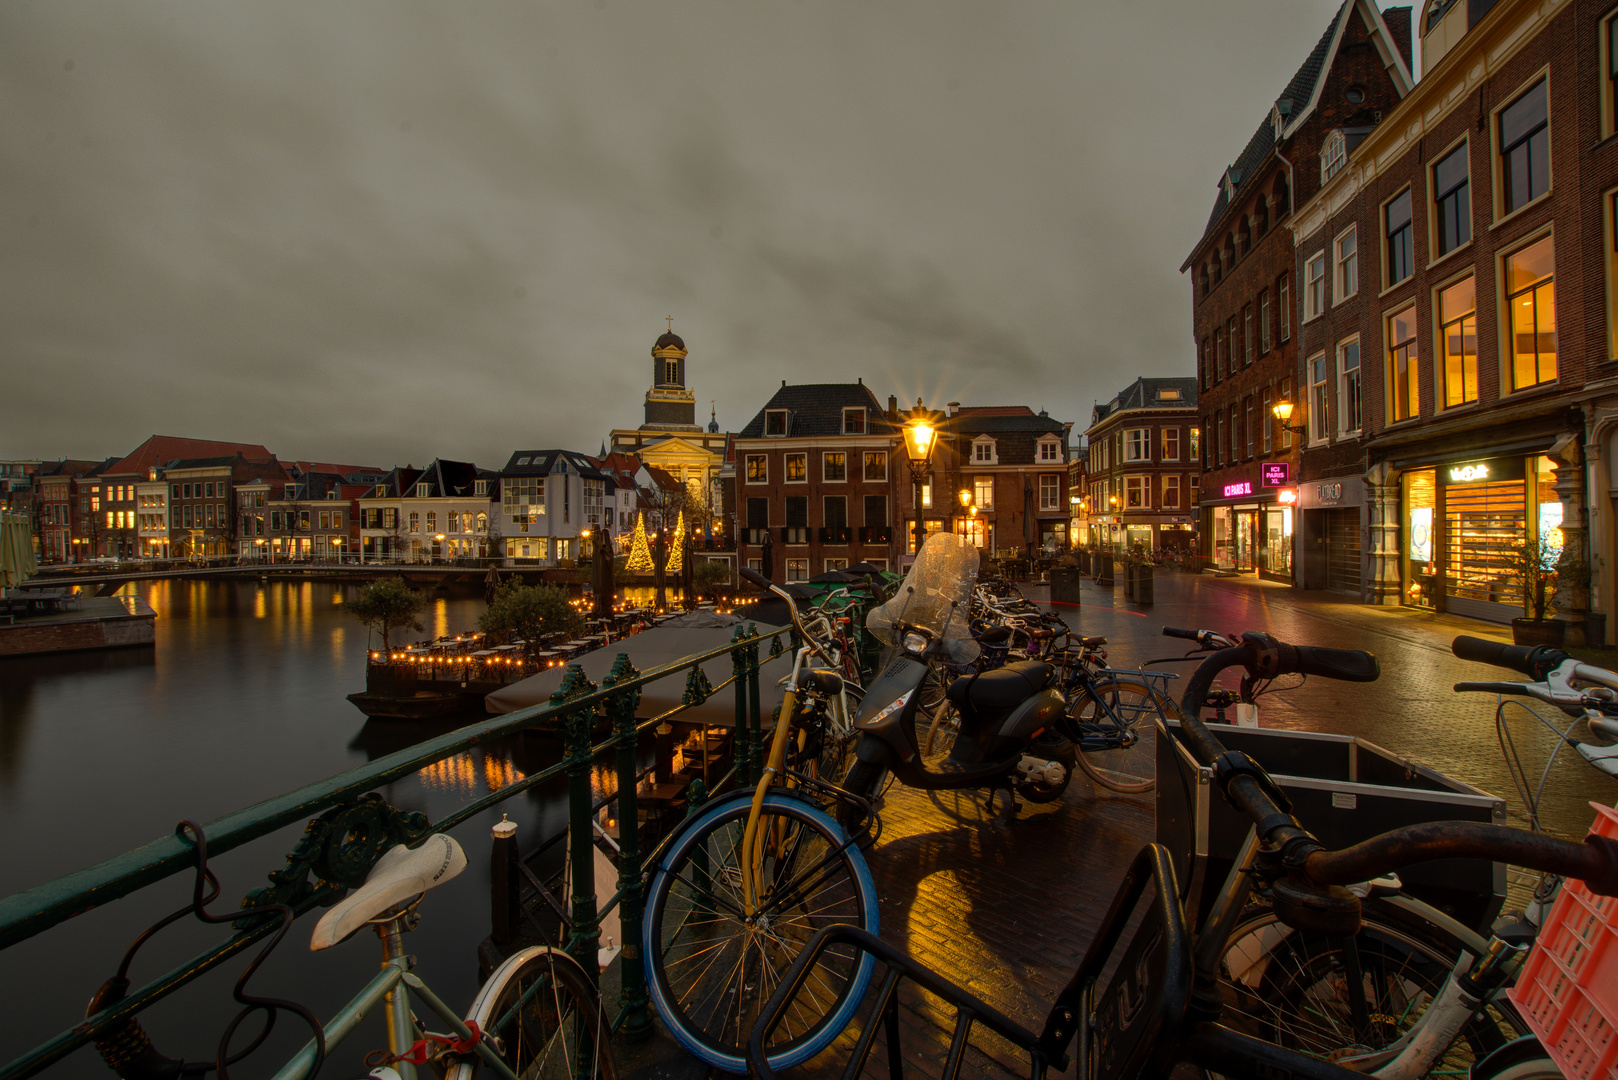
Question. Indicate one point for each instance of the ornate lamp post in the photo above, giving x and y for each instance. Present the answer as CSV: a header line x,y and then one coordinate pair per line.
x,y
1283,412
921,436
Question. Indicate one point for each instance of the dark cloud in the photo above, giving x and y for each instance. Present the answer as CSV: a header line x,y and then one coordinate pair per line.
x,y
387,231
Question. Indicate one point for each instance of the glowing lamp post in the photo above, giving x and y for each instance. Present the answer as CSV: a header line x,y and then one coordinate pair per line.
x,y
921,436
1283,412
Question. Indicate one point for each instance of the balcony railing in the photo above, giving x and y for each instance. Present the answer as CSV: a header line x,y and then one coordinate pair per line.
x,y
794,534
836,535
876,534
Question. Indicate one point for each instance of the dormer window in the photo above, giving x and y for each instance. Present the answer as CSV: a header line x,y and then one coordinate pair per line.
x,y
1168,395
775,421
1050,450
1333,154
1277,122
424,491
523,460
853,421
331,496
381,491
480,487
983,452
1229,185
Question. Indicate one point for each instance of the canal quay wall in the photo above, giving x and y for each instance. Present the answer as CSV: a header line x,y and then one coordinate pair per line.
x,y
99,623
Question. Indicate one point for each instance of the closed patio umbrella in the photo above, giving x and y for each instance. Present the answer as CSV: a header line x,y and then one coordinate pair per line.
x,y
1030,527
17,562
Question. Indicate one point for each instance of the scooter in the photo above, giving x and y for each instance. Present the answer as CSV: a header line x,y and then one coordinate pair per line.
x,y
1009,736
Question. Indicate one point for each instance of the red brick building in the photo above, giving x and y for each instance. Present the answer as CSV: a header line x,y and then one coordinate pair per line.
x,y
1245,289
1144,450
1468,378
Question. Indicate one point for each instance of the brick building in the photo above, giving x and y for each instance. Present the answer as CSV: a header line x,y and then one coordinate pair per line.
x,y
60,523
816,469
1008,463
1468,377
1245,289
1143,472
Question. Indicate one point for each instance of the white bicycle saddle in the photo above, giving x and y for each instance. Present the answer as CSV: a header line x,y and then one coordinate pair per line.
x,y
399,874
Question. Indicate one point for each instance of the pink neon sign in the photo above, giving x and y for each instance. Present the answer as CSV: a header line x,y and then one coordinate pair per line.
x,y
1241,487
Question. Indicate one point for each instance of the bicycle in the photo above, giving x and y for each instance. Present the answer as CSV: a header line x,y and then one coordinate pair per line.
x,y
1107,707
746,882
537,1015
1164,1002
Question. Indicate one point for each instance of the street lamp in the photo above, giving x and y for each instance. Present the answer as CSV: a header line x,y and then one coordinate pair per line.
x,y
1283,412
921,435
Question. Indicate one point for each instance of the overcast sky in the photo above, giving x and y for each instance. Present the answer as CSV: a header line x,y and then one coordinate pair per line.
x,y
385,232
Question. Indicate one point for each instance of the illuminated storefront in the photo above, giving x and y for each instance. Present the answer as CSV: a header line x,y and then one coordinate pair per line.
x,y
1251,526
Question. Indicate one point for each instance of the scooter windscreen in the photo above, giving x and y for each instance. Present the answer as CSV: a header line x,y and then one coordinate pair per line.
x,y
937,595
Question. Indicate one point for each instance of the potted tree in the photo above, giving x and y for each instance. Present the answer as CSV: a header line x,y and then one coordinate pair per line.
x,y
1533,570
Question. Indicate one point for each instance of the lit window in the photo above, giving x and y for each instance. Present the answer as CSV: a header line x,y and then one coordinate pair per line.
x,y
1348,387
1525,159
758,469
1171,444
797,468
1458,335
1050,492
1453,200
983,492
1401,259
1137,492
1138,444
834,466
1404,398
1531,297
876,464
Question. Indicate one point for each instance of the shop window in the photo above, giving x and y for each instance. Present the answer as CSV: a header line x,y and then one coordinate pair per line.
x,y
1404,400
1319,391
1458,338
1396,218
1525,150
1346,264
1452,202
1314,288
1348,387
1531,300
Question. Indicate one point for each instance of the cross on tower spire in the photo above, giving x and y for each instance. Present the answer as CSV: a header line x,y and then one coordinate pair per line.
x,y
670,319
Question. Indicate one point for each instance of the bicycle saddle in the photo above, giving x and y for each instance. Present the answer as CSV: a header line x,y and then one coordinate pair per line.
x,y
399,874
1003,686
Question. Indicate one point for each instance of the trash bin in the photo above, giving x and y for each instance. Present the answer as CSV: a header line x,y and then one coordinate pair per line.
x,y
1129,580
1143,584
1065,585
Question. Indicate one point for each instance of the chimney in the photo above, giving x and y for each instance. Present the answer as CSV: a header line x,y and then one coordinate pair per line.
x,y
893,407
954,407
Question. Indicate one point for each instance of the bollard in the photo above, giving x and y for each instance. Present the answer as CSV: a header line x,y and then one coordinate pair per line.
x,y
504,878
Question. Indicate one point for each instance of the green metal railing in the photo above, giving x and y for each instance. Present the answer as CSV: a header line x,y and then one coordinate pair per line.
x,y
354,827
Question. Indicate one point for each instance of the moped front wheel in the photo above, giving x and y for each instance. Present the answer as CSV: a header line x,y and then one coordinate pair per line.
x,y
865,779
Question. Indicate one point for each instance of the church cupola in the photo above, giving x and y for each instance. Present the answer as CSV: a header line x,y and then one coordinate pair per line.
x,y
670,404
668,362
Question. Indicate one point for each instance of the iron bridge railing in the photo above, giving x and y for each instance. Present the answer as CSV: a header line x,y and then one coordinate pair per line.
x,y
349,827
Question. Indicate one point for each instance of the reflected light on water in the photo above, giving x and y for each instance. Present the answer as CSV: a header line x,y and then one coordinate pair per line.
x,y
440,618
260,607
465,775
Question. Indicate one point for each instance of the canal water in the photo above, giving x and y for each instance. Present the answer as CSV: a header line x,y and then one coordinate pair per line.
x,y
241,699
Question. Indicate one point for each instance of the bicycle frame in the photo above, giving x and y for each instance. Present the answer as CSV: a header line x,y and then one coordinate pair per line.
x,y
752,854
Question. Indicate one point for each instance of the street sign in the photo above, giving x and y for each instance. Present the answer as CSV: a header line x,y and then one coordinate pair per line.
x,y
1275,473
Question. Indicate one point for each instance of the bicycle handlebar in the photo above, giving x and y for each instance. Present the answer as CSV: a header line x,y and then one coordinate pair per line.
x,y
1534,661
792,610
1189,635
1249,788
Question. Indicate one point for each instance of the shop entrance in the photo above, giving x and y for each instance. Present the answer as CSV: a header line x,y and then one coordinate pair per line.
x,y
1246,540
1278,541
1343,549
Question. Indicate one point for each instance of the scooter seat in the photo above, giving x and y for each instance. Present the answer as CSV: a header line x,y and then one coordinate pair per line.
x,y
1002,687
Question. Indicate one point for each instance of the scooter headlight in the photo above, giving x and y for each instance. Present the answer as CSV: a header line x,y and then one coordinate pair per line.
x,y
915,642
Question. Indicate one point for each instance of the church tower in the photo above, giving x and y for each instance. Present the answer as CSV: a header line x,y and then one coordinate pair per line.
x,y
669,404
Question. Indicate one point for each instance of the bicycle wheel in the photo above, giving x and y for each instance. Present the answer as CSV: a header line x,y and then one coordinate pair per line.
x,y
542,1006
710,968
1524,1059
1292,988
1116,733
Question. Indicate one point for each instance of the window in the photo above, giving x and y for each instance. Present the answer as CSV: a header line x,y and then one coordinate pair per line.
x,y
983,451
1314,287
1285,304
758,469
1204,364
671,371
480,487
1611,96
834,466
876,511
424,491
1137,492
1219,355
1453,201
758,515
1525,158
415,521
432,520
1219,439
796,467
927,492
1171,492
853,421
1171,444
1458,340
1235,434
797,512
209,490
1348,387
983,492
1168,395
1247,334
1346,260
797,569
1267,418
1264,321
876,464
775,421
1248,426
835,511
1333,154
187,490
1318,393
1050,450
1531,299
520,461
1401,259
1050,492
1404,402
1138,444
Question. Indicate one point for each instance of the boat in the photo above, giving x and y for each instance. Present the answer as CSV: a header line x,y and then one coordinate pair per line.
x,y
421,705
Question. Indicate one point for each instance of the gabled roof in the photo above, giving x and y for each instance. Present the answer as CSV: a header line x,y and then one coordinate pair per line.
x,y
66,467
400,478
336,470
160,448
219,462
1297,101
817,409
452,479
544,462
997,419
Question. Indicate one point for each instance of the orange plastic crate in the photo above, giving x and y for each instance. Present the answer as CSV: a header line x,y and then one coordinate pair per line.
x,y
1568,988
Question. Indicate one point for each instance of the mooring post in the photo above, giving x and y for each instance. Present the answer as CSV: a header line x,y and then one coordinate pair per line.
x,y
581,839
632,999
504,879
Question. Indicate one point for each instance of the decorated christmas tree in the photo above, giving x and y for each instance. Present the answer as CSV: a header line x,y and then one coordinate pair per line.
x,y
640,552
677,551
